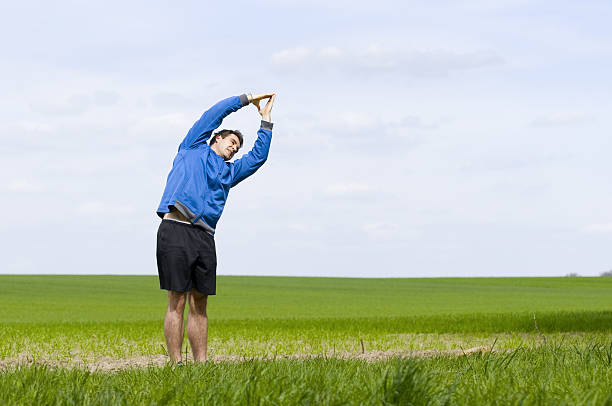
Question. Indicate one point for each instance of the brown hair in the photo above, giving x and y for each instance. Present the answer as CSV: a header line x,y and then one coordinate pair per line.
x,y
225,133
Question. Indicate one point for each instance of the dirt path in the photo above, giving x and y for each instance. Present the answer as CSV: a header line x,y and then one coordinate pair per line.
x,y
107,364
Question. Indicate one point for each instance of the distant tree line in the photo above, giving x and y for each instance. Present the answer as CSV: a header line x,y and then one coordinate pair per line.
x,y
574,275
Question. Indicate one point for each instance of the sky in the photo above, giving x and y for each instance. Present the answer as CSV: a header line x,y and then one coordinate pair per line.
x,y
411,139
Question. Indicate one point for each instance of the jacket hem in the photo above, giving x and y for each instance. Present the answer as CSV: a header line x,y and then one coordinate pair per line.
x,y
191,216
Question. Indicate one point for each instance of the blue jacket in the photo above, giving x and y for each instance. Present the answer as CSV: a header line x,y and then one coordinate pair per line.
x,y
200,180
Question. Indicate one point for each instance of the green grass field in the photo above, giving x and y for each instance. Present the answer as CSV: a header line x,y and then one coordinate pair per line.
x,y
349,339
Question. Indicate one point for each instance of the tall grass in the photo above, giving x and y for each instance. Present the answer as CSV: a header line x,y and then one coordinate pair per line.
x,y
548,375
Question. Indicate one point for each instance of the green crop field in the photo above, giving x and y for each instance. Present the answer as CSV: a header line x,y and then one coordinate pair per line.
x,y
282,340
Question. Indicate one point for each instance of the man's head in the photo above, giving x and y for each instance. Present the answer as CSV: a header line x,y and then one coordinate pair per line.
x,y
226,143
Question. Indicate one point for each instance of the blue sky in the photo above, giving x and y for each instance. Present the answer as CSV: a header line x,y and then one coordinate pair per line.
x,y
463,138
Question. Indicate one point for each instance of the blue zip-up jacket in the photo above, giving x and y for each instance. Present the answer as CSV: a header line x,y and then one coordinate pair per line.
x,y
200,180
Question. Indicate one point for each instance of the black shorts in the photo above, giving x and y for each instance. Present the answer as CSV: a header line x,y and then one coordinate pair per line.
x,y
186,258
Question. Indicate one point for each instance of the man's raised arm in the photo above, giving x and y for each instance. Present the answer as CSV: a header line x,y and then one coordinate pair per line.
x,y
246,165
211,119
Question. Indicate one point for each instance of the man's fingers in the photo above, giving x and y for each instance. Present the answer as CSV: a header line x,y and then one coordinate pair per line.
x,y
270,102
262,96
265,111
256,104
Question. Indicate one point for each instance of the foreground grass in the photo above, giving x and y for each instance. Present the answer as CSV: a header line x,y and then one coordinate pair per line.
x,y
549,375
558,332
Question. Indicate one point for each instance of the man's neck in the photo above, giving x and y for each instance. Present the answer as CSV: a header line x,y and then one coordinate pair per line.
x,y
214,148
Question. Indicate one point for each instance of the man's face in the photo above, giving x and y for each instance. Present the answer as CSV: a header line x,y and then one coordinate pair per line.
x,y
227,147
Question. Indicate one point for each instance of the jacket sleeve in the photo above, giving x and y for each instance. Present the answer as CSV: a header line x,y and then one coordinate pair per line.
x,y
246,165
211,119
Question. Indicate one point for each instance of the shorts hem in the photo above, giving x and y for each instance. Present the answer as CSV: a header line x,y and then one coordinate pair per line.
x,y
187,291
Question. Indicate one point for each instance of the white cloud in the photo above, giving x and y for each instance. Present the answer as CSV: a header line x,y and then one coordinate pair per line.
x,y
105,98
376,58
347,189
351,122
171,125
24,186
292,56
172,100
339,5
359,131
381,230
35,127
21,264
305,227
562,120
598,228
74,104
103,208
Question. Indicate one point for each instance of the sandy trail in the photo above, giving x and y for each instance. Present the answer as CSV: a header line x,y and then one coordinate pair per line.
x,y
107,364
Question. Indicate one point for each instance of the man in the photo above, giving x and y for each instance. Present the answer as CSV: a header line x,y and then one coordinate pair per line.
x,y
193,200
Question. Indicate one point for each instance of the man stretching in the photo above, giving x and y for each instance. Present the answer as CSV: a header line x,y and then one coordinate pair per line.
x,y
193,200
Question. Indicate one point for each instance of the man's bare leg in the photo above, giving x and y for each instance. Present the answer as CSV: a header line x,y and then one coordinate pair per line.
x,y
197,325
173,324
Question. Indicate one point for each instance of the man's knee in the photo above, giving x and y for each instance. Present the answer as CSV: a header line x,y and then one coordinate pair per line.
x,y
176,300
197,301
